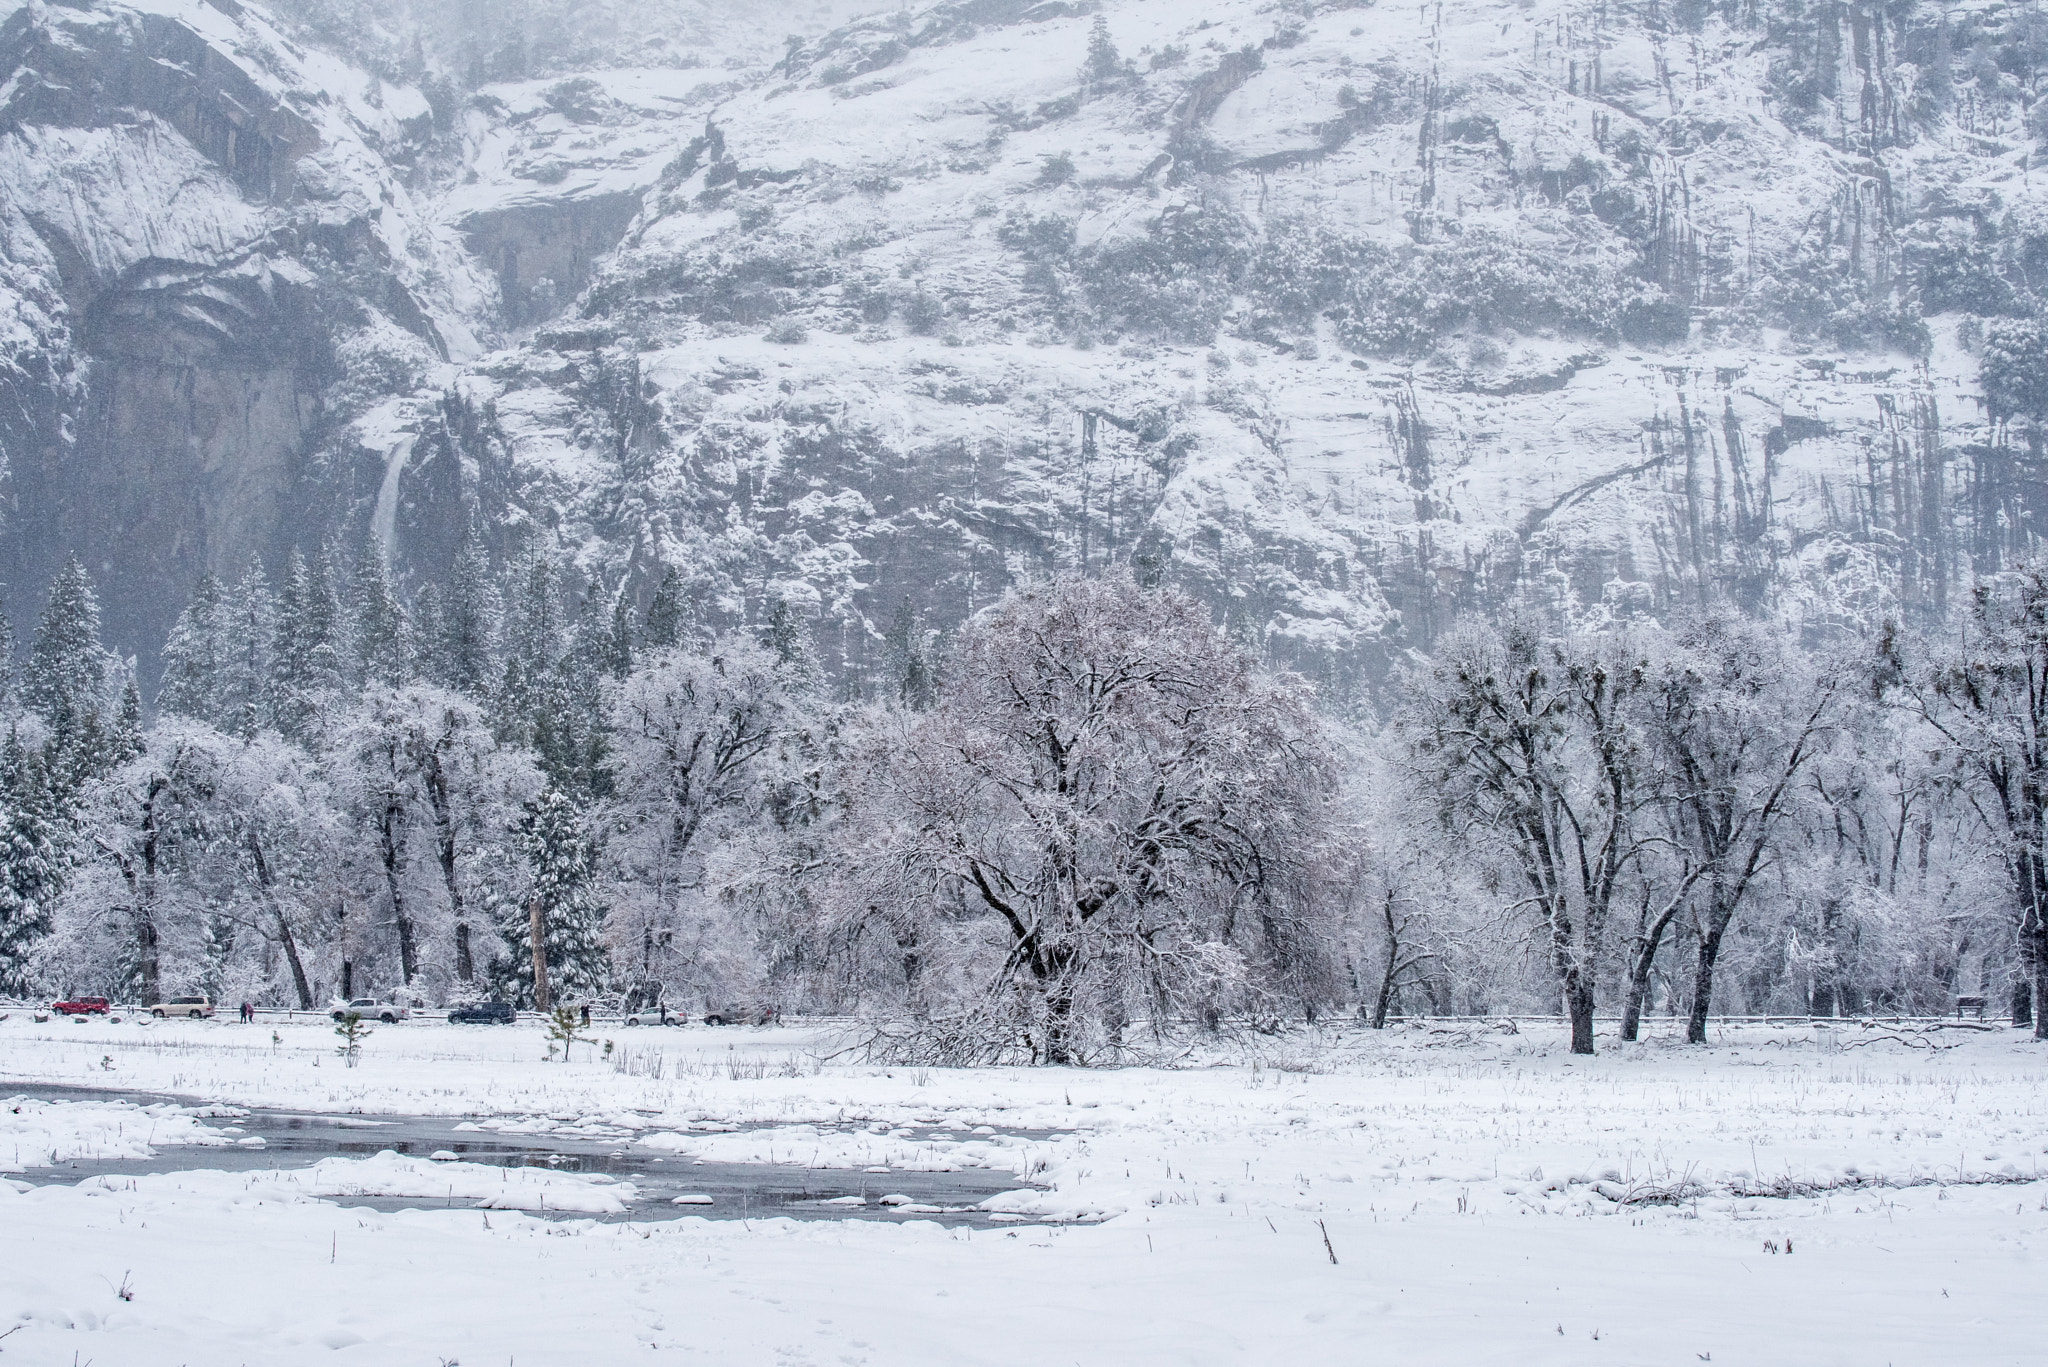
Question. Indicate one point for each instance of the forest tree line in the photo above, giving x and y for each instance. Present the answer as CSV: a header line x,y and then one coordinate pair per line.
x,y
1082,825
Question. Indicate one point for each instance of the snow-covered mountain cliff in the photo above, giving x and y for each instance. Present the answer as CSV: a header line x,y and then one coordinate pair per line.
x,y
1352,317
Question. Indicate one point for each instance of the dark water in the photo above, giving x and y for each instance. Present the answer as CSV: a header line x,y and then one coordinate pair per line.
x,y
738,1190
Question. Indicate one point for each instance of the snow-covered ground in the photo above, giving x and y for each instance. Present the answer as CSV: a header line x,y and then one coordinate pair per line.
x,y
1485,1197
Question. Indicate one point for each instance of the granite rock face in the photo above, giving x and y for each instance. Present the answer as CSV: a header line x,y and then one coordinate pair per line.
x,y
1352,319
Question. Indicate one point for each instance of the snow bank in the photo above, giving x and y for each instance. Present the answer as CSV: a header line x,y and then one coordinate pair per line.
x,y
47,1134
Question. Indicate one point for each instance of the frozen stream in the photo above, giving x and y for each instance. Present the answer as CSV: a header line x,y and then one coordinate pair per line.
x,y
292,1140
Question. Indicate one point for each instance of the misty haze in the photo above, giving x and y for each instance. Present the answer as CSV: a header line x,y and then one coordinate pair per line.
x,y
1130,682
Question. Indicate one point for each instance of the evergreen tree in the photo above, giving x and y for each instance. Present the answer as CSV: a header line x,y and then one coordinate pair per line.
x,y
467,625
424,634
620,660
323,627
66,679
292,650
126,741
191,685
913,670
581,752
31,859
537,620
664,626
248,630
563,858
7,677
377,624
789,636
1105,63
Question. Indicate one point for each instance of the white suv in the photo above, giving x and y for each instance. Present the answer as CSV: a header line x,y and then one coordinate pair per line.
x,y
370,1009
194,1008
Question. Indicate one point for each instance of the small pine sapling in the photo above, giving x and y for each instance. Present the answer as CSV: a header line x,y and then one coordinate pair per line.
x,y
352,1032
563,1025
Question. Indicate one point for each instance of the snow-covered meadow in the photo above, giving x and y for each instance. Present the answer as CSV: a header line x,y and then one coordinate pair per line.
x,y
1446,1194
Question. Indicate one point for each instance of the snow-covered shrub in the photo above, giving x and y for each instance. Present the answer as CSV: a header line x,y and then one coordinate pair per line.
x,y
1304,267
923,312
2015,367
788,332
1958,269
1484,279
1177,281
1821,297
1055,169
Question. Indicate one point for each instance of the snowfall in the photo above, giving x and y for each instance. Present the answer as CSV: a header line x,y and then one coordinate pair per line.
x,y
1436,1193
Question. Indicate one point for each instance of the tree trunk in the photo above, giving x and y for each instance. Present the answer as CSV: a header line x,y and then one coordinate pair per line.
x,y
1632,1003
2040,995
1703,986
536,931
284,929
1639,971
2022,1001
444,832
1059,1024
1578,1004
147,963
291,954
408,951
1386,996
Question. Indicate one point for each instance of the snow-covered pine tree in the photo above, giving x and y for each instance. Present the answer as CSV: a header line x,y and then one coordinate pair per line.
x,y
66,680
583,747
377,623
305,654
248,629
468,623
562,900
126,741
789,636
31,859
664,625
1105,63
7,670
423,634
192,656
620,661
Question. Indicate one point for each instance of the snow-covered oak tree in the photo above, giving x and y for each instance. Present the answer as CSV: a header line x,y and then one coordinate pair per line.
x,y
1734,717
420,766
1104,814
1988,700
692,737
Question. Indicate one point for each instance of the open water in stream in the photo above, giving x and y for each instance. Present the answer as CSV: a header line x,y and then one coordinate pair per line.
x,y
293,1139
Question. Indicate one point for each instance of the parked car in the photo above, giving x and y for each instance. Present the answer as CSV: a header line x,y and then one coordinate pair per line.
x,y
196,1008
740,1013
483,1013
370,1009
653,1015
81,1006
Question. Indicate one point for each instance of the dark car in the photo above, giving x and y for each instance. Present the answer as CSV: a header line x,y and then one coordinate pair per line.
x,y
742,1013
483,1013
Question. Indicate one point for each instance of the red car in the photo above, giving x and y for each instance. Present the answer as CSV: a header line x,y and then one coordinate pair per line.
x,y
81,1006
